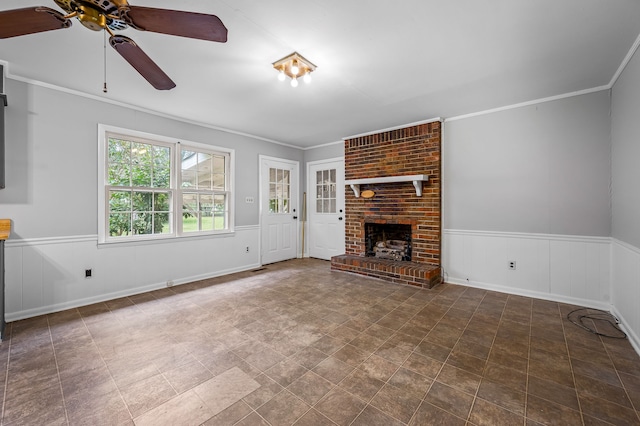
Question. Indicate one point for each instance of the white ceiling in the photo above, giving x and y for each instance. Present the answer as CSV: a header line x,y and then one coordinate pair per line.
x,y
381,63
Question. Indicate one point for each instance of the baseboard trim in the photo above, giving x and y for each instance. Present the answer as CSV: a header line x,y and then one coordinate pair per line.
x,y
633,338
530,293
44,310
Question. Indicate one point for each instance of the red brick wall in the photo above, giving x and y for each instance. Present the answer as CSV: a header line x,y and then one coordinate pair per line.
x,y
410,151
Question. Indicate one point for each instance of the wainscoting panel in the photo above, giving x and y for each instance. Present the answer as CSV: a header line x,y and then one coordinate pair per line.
x,y
625,288
556,267
48,275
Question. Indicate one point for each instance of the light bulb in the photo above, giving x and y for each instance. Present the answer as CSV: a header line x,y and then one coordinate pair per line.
x,y
294,82
281,75
307,77
294,68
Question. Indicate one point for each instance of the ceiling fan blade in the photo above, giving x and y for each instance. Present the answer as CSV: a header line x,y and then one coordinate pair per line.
x,y
175,22
31,20
139,60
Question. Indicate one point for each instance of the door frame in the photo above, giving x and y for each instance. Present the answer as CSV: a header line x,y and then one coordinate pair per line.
x,y
311,190
261,196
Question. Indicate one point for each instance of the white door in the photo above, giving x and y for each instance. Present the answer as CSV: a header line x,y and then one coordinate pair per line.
x,y
278,209
326,208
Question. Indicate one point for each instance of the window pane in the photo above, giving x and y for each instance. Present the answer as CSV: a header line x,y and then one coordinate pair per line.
x,y
161,167
161,223
285,177
162,202
188,179
332,175
279,175
162,178
272,175
189,212
119,201
188,169
273,198
332,191
220,221
119,151
188,159
161,156
318,191
206,212
332,206
319,206
219,165
141,164
119,174
141,223
141,175
205,169
219,182
142,201
326,206
204,180
318,177
119,224
220,203
220,212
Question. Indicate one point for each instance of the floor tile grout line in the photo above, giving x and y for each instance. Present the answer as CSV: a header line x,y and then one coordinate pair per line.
x,y
573,376
526,386
6,373
626,391
55,357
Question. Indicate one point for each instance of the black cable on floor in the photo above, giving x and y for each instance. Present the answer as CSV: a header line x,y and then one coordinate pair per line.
x,y
598,315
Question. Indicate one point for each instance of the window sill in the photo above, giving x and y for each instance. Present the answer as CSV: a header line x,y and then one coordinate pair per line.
x,y
164,239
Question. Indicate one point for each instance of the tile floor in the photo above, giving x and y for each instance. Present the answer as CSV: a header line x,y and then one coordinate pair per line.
x,y
298,344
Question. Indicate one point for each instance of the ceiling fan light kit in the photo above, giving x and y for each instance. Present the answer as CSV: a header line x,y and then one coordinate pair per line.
x,y
116,15
294,66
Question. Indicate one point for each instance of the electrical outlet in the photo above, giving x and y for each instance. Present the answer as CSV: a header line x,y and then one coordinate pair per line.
x,y
87,273
512,264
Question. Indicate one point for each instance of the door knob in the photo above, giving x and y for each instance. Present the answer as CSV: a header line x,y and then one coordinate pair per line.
x,y
295,217
340,218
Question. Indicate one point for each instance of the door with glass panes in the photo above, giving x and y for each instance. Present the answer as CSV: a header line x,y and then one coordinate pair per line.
x,y
326,208
279,209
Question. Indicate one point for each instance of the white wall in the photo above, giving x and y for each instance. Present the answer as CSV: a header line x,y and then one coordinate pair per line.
x,y
51,197
625,180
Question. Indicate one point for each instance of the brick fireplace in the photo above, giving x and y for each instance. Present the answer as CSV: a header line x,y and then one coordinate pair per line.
x,y
402,168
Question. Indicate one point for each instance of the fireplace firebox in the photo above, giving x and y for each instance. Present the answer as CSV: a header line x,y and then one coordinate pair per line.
x,y
388,241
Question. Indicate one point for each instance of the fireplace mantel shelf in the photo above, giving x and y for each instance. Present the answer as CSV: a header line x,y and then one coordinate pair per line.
x,y
416,179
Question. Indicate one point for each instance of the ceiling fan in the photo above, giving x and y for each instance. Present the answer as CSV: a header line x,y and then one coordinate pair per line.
x,y
115,15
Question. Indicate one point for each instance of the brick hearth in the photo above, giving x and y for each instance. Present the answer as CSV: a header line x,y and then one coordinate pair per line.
x,y
411,273
410,151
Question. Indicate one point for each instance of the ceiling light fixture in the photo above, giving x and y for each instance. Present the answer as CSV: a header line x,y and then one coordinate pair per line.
x,y
294,66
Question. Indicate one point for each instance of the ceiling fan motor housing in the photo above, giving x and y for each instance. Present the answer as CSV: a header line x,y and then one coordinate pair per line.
x,y
94,14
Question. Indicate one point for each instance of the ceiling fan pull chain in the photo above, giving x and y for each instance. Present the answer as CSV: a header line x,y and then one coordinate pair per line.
x,y
104,88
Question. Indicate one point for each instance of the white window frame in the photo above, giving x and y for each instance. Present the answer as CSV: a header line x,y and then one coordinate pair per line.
x,y
176,146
